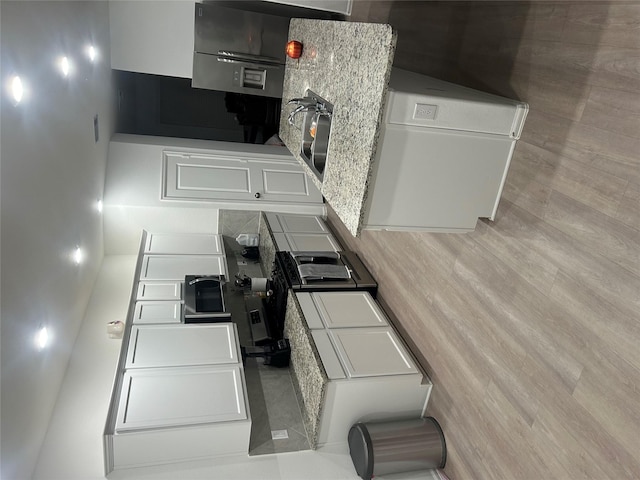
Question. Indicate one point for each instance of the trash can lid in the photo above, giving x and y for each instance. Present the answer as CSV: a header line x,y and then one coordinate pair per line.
x,y
361,450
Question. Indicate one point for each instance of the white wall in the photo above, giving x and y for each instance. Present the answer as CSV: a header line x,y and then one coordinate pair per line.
x,y
52,175
72,449
133,187
152,36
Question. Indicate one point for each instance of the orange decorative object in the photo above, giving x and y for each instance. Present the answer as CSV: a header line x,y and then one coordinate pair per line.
x,y
294,49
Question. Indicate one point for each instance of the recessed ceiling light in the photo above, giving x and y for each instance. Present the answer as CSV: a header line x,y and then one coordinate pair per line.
x,y
78,256
92,53
42,338
65,66
17,90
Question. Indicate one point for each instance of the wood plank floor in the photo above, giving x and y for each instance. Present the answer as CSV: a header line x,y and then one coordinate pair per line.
x,y
530,326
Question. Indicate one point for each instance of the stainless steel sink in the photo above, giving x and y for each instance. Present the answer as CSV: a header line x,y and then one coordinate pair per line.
x,y
316,132
314,147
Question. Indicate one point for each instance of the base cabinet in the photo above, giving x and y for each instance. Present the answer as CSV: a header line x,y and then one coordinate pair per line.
x,y
181,396
347,370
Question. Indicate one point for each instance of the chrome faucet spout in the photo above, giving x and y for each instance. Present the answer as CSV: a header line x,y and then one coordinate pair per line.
x,y
300,108
306,101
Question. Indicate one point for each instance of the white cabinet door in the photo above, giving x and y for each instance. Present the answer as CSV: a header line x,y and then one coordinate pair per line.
x,y
176,267
236,178
184,243
169,397
168,290
163,311
348,309
366,352
312,242
283,222
182,345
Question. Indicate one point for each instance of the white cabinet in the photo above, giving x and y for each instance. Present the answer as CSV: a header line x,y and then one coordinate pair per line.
x,y
176,267
371,375
293,232
182,345
180,392
152,37
162,311
367,352
184,243
443,155
159,290
171,397
238,177
306,242
341,309
285,222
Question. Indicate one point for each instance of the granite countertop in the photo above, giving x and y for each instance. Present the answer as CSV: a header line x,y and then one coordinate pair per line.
x,y
308,375
349,65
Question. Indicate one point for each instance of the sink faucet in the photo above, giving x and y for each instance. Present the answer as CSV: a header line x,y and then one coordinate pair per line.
x,y
304,105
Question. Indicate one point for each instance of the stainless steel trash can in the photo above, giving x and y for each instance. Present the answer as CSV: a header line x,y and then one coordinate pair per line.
x,y
379,448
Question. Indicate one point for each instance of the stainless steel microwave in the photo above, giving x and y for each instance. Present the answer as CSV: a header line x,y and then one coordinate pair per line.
x,y
204,299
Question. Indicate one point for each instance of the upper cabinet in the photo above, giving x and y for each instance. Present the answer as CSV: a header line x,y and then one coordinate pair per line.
x,y
152,37
184,243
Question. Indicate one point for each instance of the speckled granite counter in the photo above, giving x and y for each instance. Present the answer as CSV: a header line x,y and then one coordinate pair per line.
x,y
266,245
349,65
307,372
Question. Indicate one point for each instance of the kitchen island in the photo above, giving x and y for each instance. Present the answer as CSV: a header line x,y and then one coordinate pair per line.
x,y
349,64
391,149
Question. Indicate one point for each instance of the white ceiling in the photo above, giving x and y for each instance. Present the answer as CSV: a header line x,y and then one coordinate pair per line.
x,y
52,173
